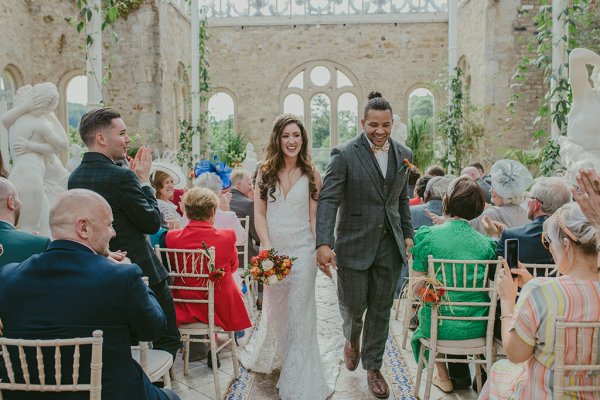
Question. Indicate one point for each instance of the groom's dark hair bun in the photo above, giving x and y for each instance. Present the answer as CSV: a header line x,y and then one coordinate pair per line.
x,y
373,95
377,102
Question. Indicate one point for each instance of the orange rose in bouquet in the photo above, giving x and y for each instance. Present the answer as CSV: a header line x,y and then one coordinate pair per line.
x,y
269,267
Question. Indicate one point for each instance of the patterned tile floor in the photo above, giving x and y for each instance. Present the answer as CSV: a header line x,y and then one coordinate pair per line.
x,y
399,367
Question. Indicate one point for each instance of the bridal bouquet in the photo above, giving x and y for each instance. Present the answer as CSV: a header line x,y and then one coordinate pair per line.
x,y
270,267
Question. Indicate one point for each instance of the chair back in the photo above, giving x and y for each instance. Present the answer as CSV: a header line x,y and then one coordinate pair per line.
x,y
579,339
454,278
542,270
190,266
243,248
24,346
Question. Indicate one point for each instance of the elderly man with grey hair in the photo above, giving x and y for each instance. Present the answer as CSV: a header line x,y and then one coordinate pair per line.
x,y
475,174
434,192
545,197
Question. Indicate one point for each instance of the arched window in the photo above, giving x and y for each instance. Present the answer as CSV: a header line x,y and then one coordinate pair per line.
x,y
77,99
221,117
325,95
421,111
181,102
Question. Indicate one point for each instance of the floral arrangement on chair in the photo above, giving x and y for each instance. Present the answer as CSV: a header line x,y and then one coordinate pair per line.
x,y
270,267
214,273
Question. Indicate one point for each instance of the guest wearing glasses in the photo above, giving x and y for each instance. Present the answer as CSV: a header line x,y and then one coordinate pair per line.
x,y
528,332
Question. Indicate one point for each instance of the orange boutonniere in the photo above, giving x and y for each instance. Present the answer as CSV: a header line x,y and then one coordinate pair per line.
x,y
406,166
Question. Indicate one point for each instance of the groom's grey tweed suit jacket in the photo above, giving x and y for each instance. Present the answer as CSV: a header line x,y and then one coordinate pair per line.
x,y
364,203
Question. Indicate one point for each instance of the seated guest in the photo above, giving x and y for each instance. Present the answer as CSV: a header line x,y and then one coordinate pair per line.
x,y
455,239
413,175
545,197
242,204
224,218
528,331
163,184
435,170
15,246
510,180
419,190
482,175
476,176
434,192
72,289
200,206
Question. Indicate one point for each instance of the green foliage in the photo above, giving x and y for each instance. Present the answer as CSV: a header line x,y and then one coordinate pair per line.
x,y
76,111
420,140
320,122
112,10
420,107
74,136
529,158
228,146
347,125
578,18
457,128
185,157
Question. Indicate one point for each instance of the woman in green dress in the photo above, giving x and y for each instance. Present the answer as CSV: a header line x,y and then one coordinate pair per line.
x,y
454,240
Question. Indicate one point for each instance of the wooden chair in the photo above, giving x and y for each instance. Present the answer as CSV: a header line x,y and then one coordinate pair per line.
x,y
192,264
584,350
450,271
95,385
542,270
242,249
409,300
157,364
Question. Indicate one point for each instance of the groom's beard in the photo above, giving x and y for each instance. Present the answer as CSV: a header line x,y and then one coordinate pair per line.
x,y
17,216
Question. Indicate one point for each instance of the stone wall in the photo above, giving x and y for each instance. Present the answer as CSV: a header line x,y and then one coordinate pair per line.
x,y
492,39
253,62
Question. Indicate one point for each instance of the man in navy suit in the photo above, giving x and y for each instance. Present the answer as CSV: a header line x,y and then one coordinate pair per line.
x,y
128,192
15,246
72,289
545,197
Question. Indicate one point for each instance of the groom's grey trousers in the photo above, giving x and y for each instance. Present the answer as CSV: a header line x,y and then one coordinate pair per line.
x,y
372,290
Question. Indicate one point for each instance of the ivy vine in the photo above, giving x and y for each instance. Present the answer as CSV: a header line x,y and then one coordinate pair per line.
x,y
185,156
112,11
576,18
458,131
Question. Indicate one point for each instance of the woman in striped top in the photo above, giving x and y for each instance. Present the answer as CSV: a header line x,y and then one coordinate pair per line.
x,y
528,332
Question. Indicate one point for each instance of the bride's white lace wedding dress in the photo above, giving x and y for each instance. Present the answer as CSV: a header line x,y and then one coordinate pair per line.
x,y
286,337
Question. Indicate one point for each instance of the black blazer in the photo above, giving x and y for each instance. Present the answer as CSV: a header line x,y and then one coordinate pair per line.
x,y
243,206
68,291
135,210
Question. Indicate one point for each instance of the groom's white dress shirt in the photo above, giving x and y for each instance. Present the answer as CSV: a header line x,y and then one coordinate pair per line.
x,y
381,157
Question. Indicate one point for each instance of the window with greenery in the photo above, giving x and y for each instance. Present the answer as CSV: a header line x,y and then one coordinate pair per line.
x,y
421,110
325,95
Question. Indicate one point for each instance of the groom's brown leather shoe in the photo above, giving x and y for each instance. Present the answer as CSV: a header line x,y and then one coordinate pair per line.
x,y
351,355
377,384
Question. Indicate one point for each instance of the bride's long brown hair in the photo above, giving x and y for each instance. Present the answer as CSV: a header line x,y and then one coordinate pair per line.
x,y
273,161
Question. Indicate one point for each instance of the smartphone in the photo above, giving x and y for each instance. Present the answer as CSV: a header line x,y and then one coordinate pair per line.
x,y
511,253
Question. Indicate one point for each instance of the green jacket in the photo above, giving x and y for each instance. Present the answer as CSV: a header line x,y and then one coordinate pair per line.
x,y
17,246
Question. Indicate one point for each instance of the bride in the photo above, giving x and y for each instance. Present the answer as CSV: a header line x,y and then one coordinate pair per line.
x,y
285,204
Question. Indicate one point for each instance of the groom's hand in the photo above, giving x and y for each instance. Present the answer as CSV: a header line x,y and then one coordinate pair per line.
x,y
326,259
409,243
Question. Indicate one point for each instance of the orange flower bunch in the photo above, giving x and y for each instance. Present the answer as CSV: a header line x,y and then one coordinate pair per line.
x,y
269,267
214,273
429,294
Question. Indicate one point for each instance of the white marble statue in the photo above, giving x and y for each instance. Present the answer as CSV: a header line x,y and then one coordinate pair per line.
x,y
250,161
400,130
35,138
581,147
75,159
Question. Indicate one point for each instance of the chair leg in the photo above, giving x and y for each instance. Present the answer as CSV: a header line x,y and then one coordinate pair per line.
x,y
172,373
234,359
167,380
478,373
215,367
420,365
406,322
429,380
186,354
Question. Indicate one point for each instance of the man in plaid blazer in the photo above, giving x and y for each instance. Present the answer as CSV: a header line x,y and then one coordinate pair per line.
x,y
366,188
132,200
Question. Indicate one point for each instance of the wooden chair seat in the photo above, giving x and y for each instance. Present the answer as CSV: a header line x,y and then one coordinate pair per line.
x,y
458,347
157,364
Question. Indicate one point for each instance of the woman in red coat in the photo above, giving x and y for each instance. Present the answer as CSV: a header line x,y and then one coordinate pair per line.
x,y
230,312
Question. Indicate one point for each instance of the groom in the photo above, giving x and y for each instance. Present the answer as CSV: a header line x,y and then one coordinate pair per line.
x,y
366,187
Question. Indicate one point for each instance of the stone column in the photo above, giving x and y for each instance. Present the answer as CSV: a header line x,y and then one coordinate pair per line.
x,y
94,56
195,74
559,54
452,37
